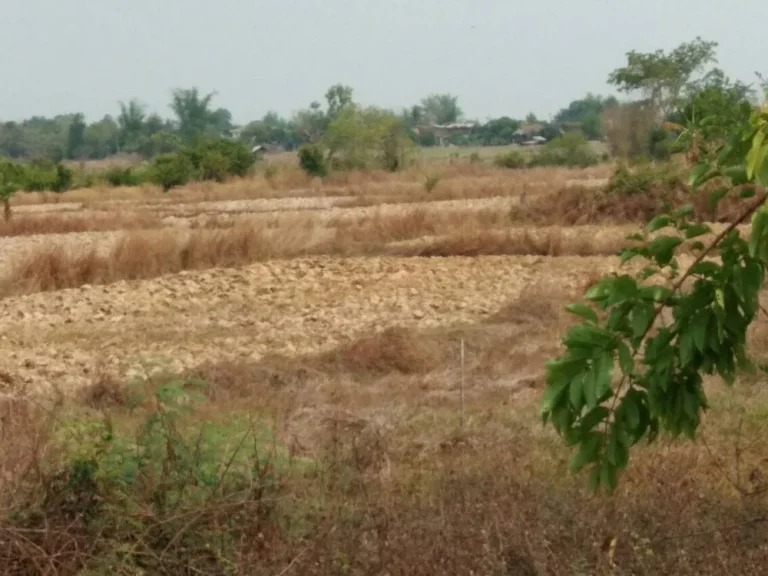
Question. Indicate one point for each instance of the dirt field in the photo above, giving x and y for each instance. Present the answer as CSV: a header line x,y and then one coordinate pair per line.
x,y
343,306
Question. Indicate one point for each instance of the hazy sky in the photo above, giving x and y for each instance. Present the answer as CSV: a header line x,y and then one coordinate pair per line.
x,y
501,57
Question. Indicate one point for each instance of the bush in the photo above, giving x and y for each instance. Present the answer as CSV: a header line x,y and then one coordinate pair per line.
x,y
215,159
512,159
42,175
117,176
571,149
171,170
647,178
312,160
152,496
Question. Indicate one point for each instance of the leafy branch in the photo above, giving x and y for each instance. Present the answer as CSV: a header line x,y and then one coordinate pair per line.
x,y
660,368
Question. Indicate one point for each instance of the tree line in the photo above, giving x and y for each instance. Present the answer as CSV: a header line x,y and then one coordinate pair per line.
x,y
136,130
668,89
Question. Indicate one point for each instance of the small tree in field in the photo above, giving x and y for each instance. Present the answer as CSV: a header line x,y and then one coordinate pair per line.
x,y
625,375
11,181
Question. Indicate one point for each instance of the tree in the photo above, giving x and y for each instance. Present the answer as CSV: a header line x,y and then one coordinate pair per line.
x,y
193,113
365,137
498,132
713,110
661,78
101,138
76,137
338,98
11,181
221,122
659,339
311,123
131,125
531,118
587,114
441,109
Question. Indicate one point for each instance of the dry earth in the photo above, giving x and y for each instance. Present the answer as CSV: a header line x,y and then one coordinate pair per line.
x,y
281,306
289,307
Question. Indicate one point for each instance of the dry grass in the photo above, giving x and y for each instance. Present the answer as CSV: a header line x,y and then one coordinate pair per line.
x,y
398,486
28,225
148,254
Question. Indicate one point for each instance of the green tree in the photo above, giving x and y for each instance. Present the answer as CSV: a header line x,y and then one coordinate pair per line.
x,y
633,367
76,137
338,98
366,137
11,181
131,125
193,113
441,109
587,114
662,77
101,138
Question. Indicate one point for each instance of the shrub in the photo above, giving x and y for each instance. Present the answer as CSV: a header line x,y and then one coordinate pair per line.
x,y
570,149
312,160
116,176
647,178
431,181
511,159
214,159
171,170
64,178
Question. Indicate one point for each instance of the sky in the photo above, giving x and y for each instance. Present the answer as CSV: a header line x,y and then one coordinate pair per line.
x,y
500,57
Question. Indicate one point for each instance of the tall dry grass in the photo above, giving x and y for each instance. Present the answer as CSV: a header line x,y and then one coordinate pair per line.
x,y
148,254
34,224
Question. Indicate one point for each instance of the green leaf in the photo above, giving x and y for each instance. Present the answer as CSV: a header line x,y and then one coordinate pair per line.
x,y
753,276
630,409
636,236
576,392
586,335
701,173
686,348
608,475
698,328
659,222
663,248
594,478
695,230
737,175
717,195
598,291
759,223
626,361
603,367
641,318
588,451
617,453
593,418
761,173
684,210
746,192
707,268
583,311
756,154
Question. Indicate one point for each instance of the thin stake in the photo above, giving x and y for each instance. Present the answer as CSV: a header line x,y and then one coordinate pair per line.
x,y
462,384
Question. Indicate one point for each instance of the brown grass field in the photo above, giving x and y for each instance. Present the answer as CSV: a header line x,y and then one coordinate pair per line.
x,y
265,377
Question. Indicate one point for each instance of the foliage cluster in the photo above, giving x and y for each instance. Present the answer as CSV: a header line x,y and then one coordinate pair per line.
x,y
634,367
571,149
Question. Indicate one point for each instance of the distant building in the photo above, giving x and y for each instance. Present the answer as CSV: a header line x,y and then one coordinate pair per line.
x,y
444,132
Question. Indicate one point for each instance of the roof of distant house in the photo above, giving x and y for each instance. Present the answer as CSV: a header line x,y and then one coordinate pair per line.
x,y
528,129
